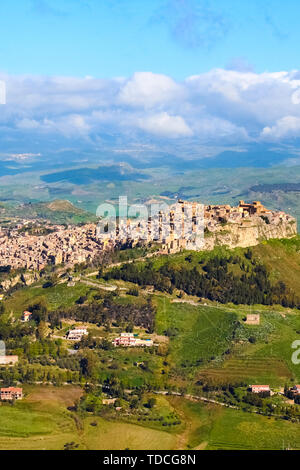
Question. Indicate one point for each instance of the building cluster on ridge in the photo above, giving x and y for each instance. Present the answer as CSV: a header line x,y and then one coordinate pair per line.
x,y
180,226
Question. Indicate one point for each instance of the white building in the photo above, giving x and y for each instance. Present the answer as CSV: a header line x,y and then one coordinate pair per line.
x,y
77,334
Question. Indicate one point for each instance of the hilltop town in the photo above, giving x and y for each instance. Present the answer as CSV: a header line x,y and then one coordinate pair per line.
x,y
184,225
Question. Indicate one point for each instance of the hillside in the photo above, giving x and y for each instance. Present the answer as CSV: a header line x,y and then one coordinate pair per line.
x,y
282,259
241,276
203,348
57,211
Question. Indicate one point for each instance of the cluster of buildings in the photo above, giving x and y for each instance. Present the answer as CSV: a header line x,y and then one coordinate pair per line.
x,y
131,340
175,227
214,215
294,391
11,393
70,246
183,225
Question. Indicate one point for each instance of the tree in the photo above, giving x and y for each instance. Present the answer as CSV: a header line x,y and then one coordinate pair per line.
x,y
134,403
100,273
82,300
2,308
42,330
151,403
39,311
88,364
71,446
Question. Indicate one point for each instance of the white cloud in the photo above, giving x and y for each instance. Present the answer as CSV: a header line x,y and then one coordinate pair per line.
x,y
287,127
148,89
219,106
209,128
163,124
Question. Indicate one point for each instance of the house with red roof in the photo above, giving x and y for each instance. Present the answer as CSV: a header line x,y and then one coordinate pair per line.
x,y
11,393
26,316
260,388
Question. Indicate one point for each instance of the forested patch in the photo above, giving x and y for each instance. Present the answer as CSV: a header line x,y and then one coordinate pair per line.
x,y
107,313
223,279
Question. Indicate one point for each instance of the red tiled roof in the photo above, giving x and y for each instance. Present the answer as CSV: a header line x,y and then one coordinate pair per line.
x,y
11,389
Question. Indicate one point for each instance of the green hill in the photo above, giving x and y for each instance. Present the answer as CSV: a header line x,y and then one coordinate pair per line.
x,y
57,211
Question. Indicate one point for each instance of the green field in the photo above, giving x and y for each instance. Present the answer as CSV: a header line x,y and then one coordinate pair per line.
x,y
204,333
42,421
59,296
217,428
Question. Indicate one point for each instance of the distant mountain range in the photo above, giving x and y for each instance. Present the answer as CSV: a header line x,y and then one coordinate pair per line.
x,y
253,155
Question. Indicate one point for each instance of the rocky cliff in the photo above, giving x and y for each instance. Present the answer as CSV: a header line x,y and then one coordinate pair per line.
x,y
22,279
249,232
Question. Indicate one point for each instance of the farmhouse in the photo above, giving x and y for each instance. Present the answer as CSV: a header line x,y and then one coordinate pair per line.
x,y
8,360
125,339
130,340
26,316
11,393
296,390
77,334
260,388
253,319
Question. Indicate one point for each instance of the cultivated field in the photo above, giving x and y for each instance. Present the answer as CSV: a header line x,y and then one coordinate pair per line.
x,y
43,422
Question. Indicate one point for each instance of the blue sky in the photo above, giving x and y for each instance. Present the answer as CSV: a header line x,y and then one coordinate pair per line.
x,y
111,38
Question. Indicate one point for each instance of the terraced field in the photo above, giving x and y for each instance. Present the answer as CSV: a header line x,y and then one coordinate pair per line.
x,y
250,370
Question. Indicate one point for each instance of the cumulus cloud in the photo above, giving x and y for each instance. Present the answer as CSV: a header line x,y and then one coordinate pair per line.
x,y
148,89
287,127
165,125
217,107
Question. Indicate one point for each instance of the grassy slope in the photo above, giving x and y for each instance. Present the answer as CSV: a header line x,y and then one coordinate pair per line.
x,y
213,427
120,436
57,211
202,332
42,421
56,297
282,258
206,333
